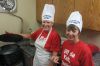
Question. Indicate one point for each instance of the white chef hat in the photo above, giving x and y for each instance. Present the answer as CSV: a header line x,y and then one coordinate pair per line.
x,y
76,19
48,12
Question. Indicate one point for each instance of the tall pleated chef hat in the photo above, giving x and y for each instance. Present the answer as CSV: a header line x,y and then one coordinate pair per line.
x,y
76,19
48,13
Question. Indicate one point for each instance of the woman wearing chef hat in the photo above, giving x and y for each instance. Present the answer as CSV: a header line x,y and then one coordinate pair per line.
x,y
74,51
47,40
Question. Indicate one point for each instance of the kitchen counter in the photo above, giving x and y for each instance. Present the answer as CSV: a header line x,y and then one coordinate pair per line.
x,y
27,46
28,50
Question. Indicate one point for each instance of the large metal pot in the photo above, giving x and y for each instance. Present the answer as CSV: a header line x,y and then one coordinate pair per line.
x,y
10,55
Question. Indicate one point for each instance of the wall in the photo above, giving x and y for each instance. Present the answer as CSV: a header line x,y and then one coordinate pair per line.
x,y
26,9
9,23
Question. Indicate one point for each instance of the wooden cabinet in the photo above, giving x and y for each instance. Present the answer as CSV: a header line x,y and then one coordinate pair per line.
x,y
83,6
63,10
39,8
94,15
90,10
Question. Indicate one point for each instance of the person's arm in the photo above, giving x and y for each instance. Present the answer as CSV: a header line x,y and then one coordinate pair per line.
x,y
55,48
54,57
86,58
26,35
23,35
94,49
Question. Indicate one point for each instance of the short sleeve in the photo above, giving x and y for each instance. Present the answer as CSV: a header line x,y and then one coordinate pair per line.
x,y
56,42
35,34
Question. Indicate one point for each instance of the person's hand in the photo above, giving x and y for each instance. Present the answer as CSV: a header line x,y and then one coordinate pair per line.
x,y
54,59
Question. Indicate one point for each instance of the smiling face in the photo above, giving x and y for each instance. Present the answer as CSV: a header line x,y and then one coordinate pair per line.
x,y
72,33
47,25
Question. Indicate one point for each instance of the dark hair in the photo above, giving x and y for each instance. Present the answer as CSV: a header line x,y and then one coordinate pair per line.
x,y
72,27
